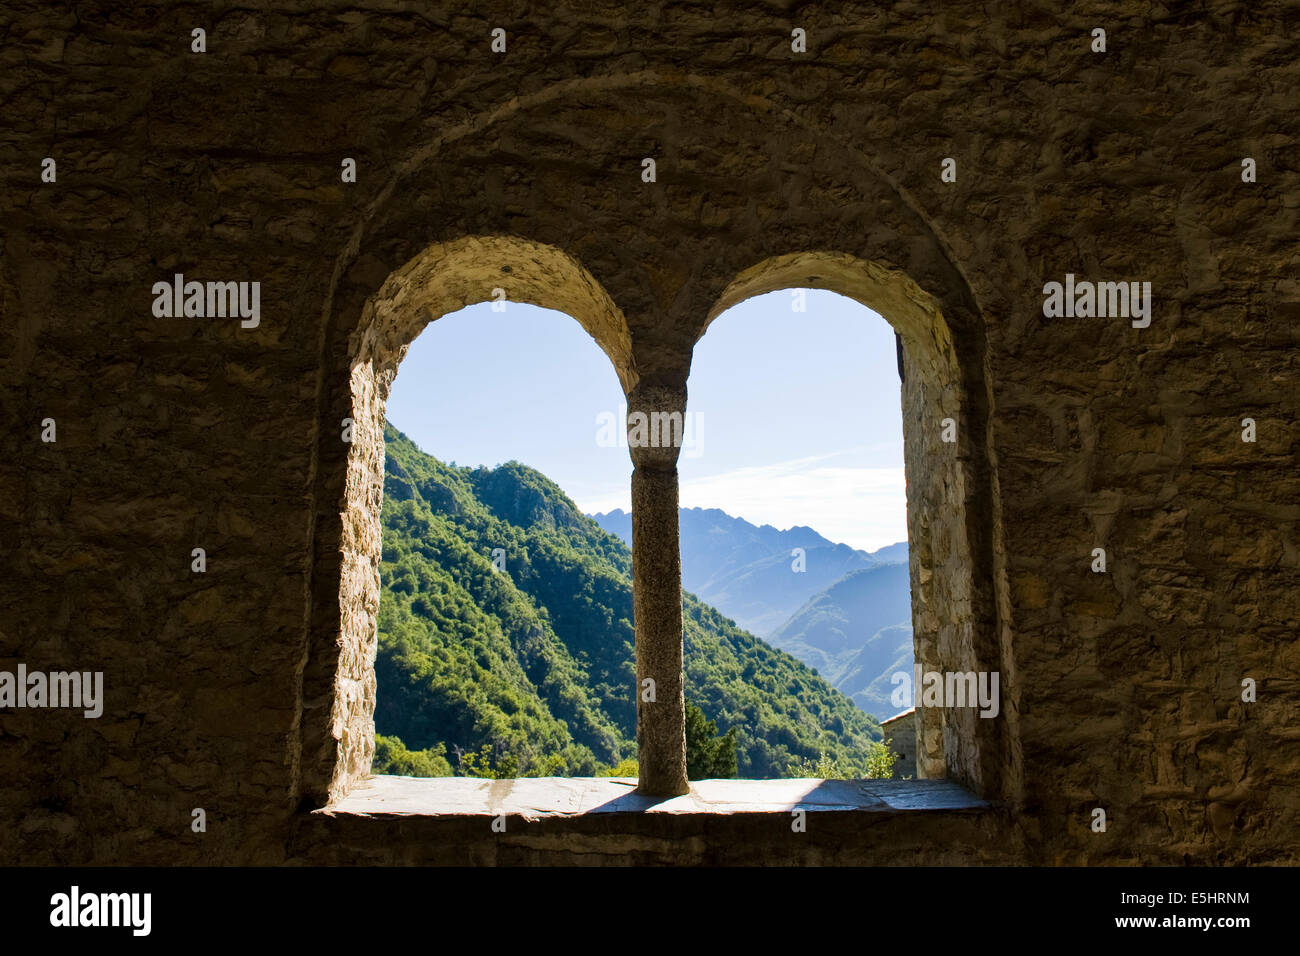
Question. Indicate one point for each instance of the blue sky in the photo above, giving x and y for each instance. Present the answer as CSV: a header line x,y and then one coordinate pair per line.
x,y
795,416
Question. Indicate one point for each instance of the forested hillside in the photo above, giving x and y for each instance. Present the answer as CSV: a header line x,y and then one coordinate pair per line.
x,y
747,571
844,612
505,641
858,634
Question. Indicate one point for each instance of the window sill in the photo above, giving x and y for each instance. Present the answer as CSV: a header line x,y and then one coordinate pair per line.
x,y
534,798
549,821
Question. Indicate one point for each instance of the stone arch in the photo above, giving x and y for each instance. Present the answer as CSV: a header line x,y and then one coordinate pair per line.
x,y
668,255
338,732
950,503
448,276
536,164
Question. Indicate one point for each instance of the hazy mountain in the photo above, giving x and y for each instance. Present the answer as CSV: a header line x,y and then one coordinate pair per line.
x,y
748,571
857,633
848,614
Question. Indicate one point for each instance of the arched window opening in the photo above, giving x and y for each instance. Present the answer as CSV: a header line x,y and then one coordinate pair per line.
x,y
794,523
958,647
505,635
550,673
339,677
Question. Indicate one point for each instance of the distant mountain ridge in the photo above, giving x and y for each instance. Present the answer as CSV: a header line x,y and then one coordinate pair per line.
x,y
857,634
746,570
848,613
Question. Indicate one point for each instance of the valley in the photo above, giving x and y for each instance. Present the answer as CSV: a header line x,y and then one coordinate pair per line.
x,y
528,671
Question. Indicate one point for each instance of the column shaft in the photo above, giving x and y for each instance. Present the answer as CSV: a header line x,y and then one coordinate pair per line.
x,y
657,604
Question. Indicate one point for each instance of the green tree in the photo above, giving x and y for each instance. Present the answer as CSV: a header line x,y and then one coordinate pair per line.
x,y
624,768
880,761
392,756
708,755
879,765
505,767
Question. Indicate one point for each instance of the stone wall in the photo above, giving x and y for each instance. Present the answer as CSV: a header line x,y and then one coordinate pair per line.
x,y
900,732
245,690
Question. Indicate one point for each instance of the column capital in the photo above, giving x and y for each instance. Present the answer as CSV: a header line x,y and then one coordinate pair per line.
x,y
656,424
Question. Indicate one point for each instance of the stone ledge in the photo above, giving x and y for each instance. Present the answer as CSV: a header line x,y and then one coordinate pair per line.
x,y
602,821
458,821
536,798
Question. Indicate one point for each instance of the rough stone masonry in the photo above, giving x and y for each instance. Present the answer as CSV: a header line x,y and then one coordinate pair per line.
x,y
370,167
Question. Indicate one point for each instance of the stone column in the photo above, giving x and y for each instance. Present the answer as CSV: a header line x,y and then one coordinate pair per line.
x,y
656,420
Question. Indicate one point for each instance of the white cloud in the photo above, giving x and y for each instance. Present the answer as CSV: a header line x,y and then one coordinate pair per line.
x,y
862,507
598,501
